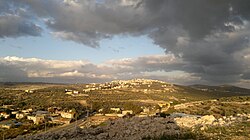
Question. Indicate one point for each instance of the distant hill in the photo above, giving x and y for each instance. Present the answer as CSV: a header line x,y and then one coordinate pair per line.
x,y
223,89
139,89
160,90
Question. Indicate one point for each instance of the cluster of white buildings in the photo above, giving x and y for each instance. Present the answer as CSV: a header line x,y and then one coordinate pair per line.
x,y
117,112
119,84
52,115
74,93
146,111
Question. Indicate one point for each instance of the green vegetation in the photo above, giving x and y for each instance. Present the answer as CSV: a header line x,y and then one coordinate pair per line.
x,y
226,102
222,107
135,106
24,129
236,130
40,100
185,134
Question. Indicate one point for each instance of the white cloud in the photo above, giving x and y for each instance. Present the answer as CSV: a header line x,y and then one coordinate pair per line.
x,y
33,68
162,67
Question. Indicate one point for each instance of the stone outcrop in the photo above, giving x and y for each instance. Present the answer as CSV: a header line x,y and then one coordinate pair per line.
x,y
191,121
137,128
120,129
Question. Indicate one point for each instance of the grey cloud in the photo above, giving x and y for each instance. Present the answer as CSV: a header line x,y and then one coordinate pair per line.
x,y
89,19
10,73
213,57
34,70
14,26
15,21
217,57
197,18
149,63
90,39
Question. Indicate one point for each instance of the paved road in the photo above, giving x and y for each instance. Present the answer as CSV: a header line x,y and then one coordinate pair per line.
x,y
64,127
228,102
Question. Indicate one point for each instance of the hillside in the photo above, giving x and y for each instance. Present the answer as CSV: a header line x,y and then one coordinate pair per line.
x,y
222,89
140,97
143,89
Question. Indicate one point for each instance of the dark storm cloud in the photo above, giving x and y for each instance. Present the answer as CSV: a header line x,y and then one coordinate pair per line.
x,y
215,56
207,35
211,37
197,18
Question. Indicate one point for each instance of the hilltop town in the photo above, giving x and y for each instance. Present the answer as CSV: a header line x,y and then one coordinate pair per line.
x,y
144,84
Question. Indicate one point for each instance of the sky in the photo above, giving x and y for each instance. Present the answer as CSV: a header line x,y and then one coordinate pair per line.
x,y
83,41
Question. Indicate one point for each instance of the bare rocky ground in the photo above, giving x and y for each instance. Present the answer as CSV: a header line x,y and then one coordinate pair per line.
x,y
190,121
178,126
120,129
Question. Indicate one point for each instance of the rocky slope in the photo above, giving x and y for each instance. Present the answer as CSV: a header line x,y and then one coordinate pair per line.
x,y
121,129
176,126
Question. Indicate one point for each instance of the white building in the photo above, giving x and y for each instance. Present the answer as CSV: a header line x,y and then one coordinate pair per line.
x,y
69,115
125,112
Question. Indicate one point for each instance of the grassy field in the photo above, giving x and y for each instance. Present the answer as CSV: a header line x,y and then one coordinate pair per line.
x,y
222,107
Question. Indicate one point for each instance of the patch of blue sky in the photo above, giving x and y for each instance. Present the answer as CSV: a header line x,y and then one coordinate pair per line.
x,y
49,47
